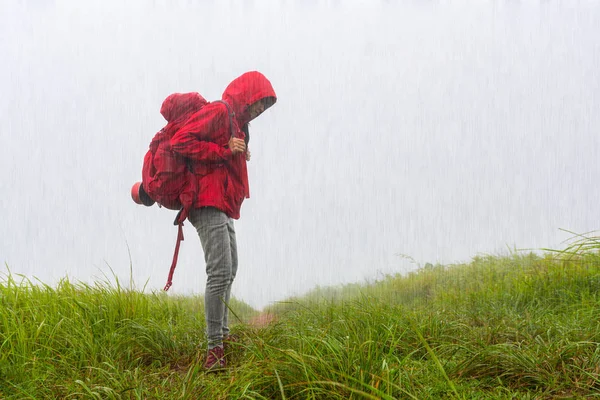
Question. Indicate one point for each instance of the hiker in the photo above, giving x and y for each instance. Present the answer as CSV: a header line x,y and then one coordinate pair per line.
x,y
214,140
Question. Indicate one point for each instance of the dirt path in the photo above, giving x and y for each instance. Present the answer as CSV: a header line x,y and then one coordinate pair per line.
x,y
263,319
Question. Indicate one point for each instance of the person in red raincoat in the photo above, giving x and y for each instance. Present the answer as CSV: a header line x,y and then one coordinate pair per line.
x,y
214,140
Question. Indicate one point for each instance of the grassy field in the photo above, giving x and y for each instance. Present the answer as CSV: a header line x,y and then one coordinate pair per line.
x,y
521,326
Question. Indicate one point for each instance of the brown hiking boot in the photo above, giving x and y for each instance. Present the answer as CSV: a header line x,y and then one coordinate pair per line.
x,y
215,360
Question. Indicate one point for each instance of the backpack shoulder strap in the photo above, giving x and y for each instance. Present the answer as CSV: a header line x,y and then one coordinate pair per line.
x,y
231,114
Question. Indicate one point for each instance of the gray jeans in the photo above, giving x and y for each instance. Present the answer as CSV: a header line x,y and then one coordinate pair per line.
x,y
217,236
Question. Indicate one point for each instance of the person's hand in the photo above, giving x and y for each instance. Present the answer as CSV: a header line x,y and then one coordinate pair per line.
x,y
237,145
248,155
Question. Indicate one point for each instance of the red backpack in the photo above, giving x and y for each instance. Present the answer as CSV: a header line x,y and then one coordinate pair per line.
x,y
165,174
166,178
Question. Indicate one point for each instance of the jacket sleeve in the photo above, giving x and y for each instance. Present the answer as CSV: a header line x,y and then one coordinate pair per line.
x,y
197,139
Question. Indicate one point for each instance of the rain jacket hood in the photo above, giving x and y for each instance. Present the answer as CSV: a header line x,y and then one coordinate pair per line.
x,y
246,90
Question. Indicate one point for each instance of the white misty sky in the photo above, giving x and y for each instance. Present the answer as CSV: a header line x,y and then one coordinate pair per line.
x,y
436,130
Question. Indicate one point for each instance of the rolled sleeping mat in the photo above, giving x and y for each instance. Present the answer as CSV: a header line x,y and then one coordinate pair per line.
x,y
139,195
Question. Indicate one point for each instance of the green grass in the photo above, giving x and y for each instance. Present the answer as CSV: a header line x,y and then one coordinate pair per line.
x,y
522,326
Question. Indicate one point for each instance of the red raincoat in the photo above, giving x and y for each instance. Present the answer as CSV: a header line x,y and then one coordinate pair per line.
x,y
222,178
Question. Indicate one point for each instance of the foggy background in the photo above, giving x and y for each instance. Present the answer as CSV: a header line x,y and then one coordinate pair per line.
x,y
437,130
